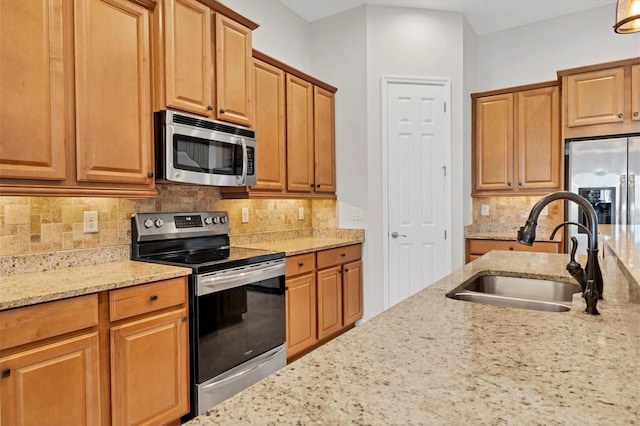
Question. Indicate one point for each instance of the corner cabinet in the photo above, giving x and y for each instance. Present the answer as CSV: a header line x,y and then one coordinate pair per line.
x,y
94,120
295,120
516,144
324,296
117,357
601,99
204,61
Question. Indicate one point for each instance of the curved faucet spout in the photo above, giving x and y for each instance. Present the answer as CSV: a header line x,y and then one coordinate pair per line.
x,y
527,235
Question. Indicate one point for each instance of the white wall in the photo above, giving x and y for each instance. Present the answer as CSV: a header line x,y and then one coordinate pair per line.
x,y
533,53
282,34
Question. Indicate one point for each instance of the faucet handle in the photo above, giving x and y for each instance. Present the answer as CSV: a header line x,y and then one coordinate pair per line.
x,y
574,268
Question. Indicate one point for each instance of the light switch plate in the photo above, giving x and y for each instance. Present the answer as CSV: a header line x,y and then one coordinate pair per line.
x,y
245,215
300,213
484,210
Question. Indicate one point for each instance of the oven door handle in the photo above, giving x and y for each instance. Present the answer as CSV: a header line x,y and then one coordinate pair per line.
x,y
223,281
243,372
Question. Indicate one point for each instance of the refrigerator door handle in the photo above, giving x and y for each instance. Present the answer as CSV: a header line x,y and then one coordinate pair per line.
x,y
631,194
622,200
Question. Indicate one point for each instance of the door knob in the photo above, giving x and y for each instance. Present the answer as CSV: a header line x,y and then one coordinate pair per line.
x,y
394,234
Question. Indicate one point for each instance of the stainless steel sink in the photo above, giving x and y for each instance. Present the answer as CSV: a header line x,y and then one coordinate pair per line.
x,y
524,293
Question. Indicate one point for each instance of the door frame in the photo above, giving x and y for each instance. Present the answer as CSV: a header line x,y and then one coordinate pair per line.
x,y
385,81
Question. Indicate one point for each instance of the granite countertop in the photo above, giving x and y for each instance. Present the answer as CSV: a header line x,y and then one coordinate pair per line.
x,y
507,232
434,360
319,239
28,289
624,242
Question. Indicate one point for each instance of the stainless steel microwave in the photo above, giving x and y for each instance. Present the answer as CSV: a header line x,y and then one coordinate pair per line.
x,y
192,149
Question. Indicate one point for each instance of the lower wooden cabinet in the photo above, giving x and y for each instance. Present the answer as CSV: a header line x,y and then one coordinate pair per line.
x,y
324,296
477,247
118,357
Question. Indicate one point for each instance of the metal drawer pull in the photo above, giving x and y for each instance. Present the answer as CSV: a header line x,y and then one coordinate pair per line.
x,y
300,264
153,297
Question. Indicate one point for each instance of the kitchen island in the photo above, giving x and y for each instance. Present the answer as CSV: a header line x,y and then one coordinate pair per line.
x,y
434,360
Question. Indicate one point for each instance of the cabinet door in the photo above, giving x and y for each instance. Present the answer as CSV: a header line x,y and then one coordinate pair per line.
x,y
113,92
538,134
324,140
301,313
33,121
234,71
188,63
352,292
493,143
595,97
635,92
55,384
270,126
300,161
329,301
150,370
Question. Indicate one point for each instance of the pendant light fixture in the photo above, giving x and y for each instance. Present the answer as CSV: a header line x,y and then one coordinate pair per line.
x,y
627,16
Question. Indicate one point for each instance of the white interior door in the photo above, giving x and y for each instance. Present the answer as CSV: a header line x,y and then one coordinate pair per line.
x,y
418,139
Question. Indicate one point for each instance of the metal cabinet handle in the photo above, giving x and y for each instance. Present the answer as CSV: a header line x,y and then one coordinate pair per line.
x,y
620,115
510,185
394,234
300,264
222,111
6,372
635,114
150,174
153,297
209,107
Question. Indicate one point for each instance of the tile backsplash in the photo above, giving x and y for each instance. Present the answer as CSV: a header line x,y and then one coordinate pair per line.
x,y
514,210
31,225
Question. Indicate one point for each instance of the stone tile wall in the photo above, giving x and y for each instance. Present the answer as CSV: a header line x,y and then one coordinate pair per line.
x,y
31,225
514,211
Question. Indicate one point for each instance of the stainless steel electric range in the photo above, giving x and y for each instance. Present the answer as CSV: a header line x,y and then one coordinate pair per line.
x,y
236,298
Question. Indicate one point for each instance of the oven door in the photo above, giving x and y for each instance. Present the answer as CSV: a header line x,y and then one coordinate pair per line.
x,y
240,315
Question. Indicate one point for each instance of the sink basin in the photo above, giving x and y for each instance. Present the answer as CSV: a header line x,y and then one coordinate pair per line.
x,y
514,292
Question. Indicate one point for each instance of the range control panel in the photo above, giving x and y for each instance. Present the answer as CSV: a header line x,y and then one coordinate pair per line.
x,y
150,226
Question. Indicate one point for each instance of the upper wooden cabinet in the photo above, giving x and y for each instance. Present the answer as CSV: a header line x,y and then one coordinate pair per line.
x,y
204,62
188,62
28,150
80,119
516,140
295,123
601,99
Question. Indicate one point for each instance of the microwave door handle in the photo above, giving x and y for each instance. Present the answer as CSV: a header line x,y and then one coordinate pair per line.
x,y
242,179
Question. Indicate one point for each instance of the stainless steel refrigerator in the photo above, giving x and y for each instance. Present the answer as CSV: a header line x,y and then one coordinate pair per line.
x,y
604,171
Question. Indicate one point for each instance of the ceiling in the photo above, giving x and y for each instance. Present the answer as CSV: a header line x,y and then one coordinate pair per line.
x,y
485,16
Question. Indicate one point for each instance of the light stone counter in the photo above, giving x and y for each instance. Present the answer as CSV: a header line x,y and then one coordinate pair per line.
x,y
507,232
624,242
434,360
28,289
320,239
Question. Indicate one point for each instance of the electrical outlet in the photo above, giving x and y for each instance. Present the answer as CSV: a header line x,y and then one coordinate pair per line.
x,y
245,215
545,211
90,221
484,210
300,213
356,214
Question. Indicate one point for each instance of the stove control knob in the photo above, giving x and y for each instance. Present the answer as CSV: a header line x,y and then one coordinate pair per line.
x,y
224,219
216,219
148,223
208,220
159,223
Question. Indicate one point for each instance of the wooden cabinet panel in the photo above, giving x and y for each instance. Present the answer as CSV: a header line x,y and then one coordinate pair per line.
x,y
270,124
301,313
338,255
493,154
324,140
301,264
538,138
113,91
188,62
37,322
300,159
33,101
595,97
635,92
329,301
137,300
54,384
352,305
234,71
150,369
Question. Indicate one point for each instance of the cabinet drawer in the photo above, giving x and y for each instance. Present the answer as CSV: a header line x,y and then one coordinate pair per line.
x,y
480,247
337,256
300,264
32,323
131,301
